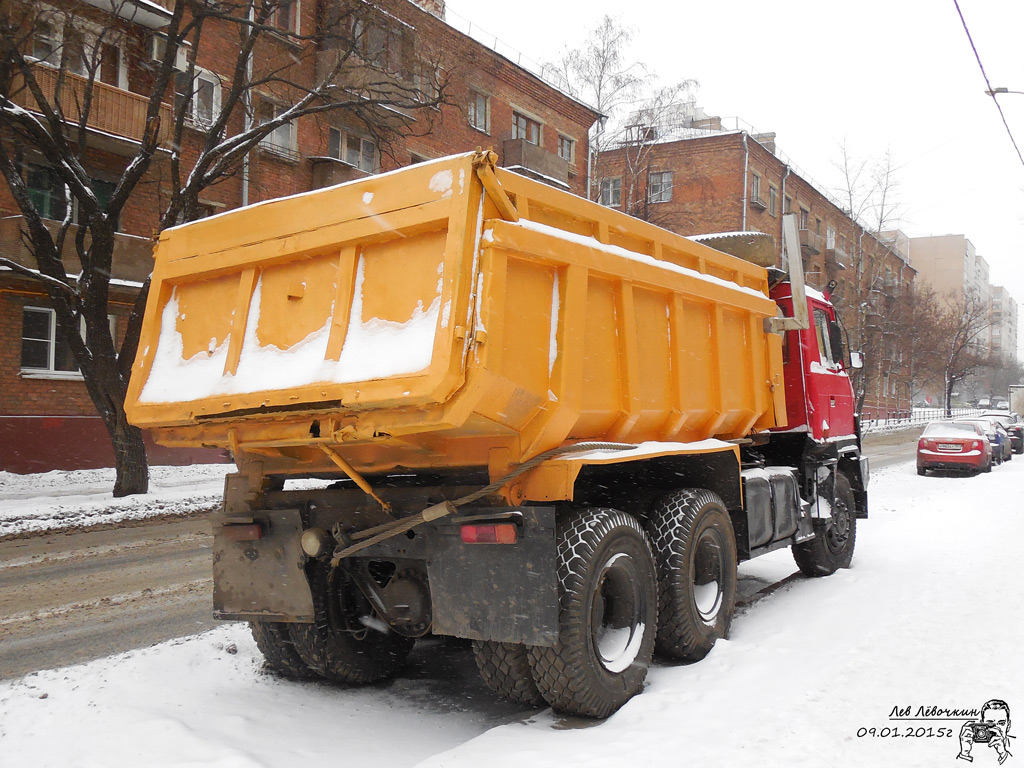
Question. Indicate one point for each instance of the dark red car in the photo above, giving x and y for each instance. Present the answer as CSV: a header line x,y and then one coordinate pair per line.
x,y
953,445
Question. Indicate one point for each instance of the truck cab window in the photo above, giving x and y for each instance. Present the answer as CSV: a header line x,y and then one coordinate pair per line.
x,y
821,331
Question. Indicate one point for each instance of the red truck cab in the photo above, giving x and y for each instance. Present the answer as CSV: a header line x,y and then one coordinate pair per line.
x,y
819,395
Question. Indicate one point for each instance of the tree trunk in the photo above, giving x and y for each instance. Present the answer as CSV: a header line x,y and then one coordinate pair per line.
x,y
130,462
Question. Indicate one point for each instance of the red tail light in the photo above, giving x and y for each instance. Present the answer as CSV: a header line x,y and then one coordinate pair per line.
x,y
498,533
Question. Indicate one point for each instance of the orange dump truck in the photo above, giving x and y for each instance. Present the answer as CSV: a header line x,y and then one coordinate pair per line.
x,y
462,402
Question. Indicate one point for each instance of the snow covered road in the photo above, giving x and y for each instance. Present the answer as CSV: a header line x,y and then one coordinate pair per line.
x,y
930,615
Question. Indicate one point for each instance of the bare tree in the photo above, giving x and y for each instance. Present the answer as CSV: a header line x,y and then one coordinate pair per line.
x,y
869,189
626,92
48,95
962,322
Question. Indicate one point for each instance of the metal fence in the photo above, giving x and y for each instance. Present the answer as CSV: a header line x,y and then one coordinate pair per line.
x,y
922,416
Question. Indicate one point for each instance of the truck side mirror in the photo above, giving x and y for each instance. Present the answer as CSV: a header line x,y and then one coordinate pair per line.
x,y
856,360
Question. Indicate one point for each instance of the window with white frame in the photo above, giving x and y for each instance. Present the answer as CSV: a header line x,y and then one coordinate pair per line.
x,y
357,151
61,40
567,148
830,237
479,111
773,201
201,97
659,187
281,140
755,186
611,192
44,349
524,127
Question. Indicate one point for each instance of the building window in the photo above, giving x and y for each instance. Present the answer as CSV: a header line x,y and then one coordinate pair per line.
x,y
526,128
355,150
44,348
46,191
755,186
46,43
285,16
378,45
201,97
830,237
611,192
425,80
787,206
805,216
479,111
817,226
773,201
567,148
281,140
48,194
659,187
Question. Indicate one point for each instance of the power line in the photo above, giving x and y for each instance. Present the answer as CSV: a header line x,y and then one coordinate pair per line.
x,y
990,91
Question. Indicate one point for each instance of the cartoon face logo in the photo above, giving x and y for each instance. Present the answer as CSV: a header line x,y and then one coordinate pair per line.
x,y
992,730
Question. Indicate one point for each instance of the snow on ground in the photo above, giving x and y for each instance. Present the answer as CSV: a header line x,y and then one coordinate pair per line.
x,y
930,615
70,499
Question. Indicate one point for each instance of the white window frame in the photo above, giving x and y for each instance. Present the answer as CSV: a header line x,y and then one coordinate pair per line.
x,y
272,141
773,201
755,186
50,372
610,194
192,115
662,191
830,237
90,33
344,142
473,111
564,140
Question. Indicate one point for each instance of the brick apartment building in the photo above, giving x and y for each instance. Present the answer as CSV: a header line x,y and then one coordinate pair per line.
x,y
695,175
46,417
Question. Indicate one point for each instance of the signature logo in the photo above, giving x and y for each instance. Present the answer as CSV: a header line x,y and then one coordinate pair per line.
x,y
992,730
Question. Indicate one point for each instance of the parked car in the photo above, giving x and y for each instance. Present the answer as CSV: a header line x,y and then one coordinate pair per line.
x,y
1012,423
984,403
997,436
953,445
1001,405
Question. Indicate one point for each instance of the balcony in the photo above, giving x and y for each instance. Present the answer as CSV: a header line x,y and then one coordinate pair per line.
x,y
133,255
521,155
756,201
837,256
113,111
810,242
328,171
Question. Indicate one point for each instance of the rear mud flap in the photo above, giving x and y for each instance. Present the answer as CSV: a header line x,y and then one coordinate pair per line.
x,y
502,592
262,578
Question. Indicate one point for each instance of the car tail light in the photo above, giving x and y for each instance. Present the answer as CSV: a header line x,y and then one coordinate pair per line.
x,y
495,533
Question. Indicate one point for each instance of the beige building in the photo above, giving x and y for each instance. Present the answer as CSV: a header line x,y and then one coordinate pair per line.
x,y
1004,325
950,264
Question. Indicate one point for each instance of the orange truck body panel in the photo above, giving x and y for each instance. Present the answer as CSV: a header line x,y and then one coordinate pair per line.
x,y
408,320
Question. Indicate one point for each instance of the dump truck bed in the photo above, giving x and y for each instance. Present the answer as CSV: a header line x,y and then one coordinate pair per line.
x,y
449,314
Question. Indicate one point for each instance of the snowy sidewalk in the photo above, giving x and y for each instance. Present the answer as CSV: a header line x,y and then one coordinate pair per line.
x,y
72,499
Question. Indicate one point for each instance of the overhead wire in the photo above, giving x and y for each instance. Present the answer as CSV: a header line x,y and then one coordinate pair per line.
x,y
988,84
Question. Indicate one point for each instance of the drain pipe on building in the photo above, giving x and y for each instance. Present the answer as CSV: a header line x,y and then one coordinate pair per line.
x,y
746,179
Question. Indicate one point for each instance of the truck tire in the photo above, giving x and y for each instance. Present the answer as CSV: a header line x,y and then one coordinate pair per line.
x,y
832,546
505,669
695,549
608,615
347,658
279,653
